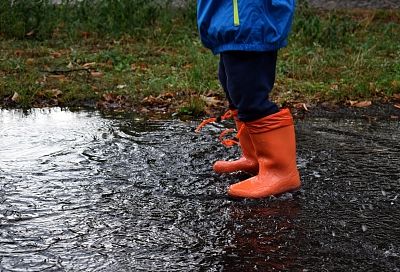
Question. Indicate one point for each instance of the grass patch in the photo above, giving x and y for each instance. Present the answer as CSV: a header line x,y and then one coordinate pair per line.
x,y
146,56
341,56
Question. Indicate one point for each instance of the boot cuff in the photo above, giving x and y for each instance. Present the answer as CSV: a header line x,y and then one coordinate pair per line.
x,y
277,120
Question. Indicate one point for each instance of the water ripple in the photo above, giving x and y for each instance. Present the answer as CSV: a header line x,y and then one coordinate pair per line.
x,y
80,191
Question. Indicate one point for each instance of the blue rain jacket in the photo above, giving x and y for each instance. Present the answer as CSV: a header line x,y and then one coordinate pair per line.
x,y
244,25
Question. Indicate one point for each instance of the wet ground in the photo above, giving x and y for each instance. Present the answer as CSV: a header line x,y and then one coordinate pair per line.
x,y
80,191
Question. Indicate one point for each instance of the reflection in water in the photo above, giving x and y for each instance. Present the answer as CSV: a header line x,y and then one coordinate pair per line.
x,y
265,236
86,192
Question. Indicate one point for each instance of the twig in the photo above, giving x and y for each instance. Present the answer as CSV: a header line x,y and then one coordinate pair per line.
x,y
65,71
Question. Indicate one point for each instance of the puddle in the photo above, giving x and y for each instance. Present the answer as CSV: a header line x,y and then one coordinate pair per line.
x,y
80,191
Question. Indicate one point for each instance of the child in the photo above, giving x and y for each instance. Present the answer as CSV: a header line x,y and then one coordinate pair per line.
x,y
247,35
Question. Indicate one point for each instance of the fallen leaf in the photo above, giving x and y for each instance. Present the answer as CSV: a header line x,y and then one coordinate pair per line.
x,y
30,61
362,104
56,55
89,64
113,101
85,34
166,95
334,87
397,96
121,86
301,106
397,106
15,97
211,100
30,33
149,100
57,77
18,53
54,92
139,66
96,74
352,102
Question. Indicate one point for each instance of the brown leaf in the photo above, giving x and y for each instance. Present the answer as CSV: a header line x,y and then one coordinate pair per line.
x,y
149,100
362,104
334,87
139,66
187,66
109,97
85,34
96,74
94,88
301,106
54,92
397,96
56,55
15,97
57,77
30,61
212,100
397,106
166,95
89,64
18,53
30,33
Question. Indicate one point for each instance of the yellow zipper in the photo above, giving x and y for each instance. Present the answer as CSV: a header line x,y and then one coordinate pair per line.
x,y
236,20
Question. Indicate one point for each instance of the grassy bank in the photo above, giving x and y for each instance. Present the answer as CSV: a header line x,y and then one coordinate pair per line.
x,y
144,56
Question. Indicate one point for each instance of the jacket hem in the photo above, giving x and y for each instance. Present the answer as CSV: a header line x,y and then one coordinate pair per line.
x,y
249,47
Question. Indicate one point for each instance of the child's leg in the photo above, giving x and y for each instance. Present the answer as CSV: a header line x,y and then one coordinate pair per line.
x,y
223,80
250,77
248,161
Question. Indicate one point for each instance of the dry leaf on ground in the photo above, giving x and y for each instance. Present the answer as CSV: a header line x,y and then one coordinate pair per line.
x,y
57,77
301,106
15,97
361,104
30,61
212,101
96,74
54,92
56,55
89,64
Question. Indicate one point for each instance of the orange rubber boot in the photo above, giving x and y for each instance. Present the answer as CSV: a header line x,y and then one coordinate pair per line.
x,y
274,141
247,162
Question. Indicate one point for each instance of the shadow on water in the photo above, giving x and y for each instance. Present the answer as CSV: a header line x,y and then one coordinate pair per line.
x,y
80,191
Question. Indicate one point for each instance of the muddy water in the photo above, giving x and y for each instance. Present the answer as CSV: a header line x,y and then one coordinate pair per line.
x,y
80,191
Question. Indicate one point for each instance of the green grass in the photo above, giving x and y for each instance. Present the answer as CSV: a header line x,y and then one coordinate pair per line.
x,y
151,52
352,55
